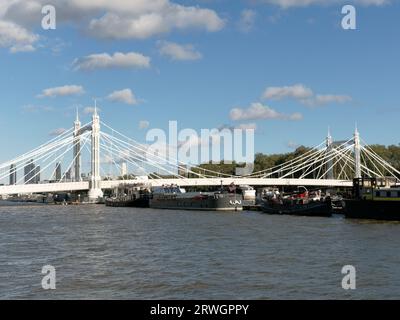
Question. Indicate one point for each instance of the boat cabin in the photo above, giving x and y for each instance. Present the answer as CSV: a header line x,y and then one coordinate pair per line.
x,y
374,188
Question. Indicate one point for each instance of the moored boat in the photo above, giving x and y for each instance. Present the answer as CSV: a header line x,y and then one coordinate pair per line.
x,y
299,204
248,194
372,202
338,204
129,196
176,198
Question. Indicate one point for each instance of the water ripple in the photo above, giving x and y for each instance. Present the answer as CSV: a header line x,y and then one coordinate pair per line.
x,y
127,253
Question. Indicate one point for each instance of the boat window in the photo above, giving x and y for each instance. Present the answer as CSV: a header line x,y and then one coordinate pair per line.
x,y
377,194
388,194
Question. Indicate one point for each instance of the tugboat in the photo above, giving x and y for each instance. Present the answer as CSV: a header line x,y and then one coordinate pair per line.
x,y
302,203
372,202
176,198
130,196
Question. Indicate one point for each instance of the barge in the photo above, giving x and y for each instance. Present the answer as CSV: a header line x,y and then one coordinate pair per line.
x,y
176,198
126,195
371,201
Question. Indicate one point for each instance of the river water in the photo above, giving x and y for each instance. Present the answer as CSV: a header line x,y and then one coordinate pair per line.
x,y
128,253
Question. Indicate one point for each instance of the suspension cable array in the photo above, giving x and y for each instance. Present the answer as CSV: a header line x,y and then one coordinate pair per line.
x,y
127,158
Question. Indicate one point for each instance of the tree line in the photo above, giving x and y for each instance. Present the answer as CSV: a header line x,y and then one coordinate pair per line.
x,y
262,161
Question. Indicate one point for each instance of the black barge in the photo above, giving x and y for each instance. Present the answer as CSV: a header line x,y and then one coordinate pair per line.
x,y
372,202
176,198
137,196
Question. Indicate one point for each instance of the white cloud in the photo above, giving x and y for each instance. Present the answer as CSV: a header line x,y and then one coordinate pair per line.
x,y
144,124
117,60
242,126
158,20
90,110
16,38
178,52
258,111
30,108
125,96
292,145
323,99
117,19
22,48
68,90
57,132
304,95
247,126
297,91
247,20
305,3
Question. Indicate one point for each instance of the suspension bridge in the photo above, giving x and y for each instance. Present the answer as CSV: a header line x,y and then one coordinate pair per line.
x,y
112,155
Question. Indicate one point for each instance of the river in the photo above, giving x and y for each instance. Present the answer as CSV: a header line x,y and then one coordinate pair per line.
x,y
127,253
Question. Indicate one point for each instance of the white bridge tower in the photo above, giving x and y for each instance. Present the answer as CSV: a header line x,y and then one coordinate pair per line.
x,y
95,191
77,149
329,147
357,153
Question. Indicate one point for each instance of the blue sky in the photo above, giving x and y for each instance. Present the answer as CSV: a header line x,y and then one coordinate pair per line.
x,y
204,64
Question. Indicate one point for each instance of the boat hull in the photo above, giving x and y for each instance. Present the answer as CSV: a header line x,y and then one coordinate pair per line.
x,y
137,203
223,202
321,209
372,209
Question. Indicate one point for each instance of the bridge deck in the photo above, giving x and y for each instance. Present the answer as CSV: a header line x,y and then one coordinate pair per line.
x,y
84,186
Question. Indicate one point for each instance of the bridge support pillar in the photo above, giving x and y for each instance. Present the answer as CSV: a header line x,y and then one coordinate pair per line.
x,y
329,165
357,154
77,149
95,193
